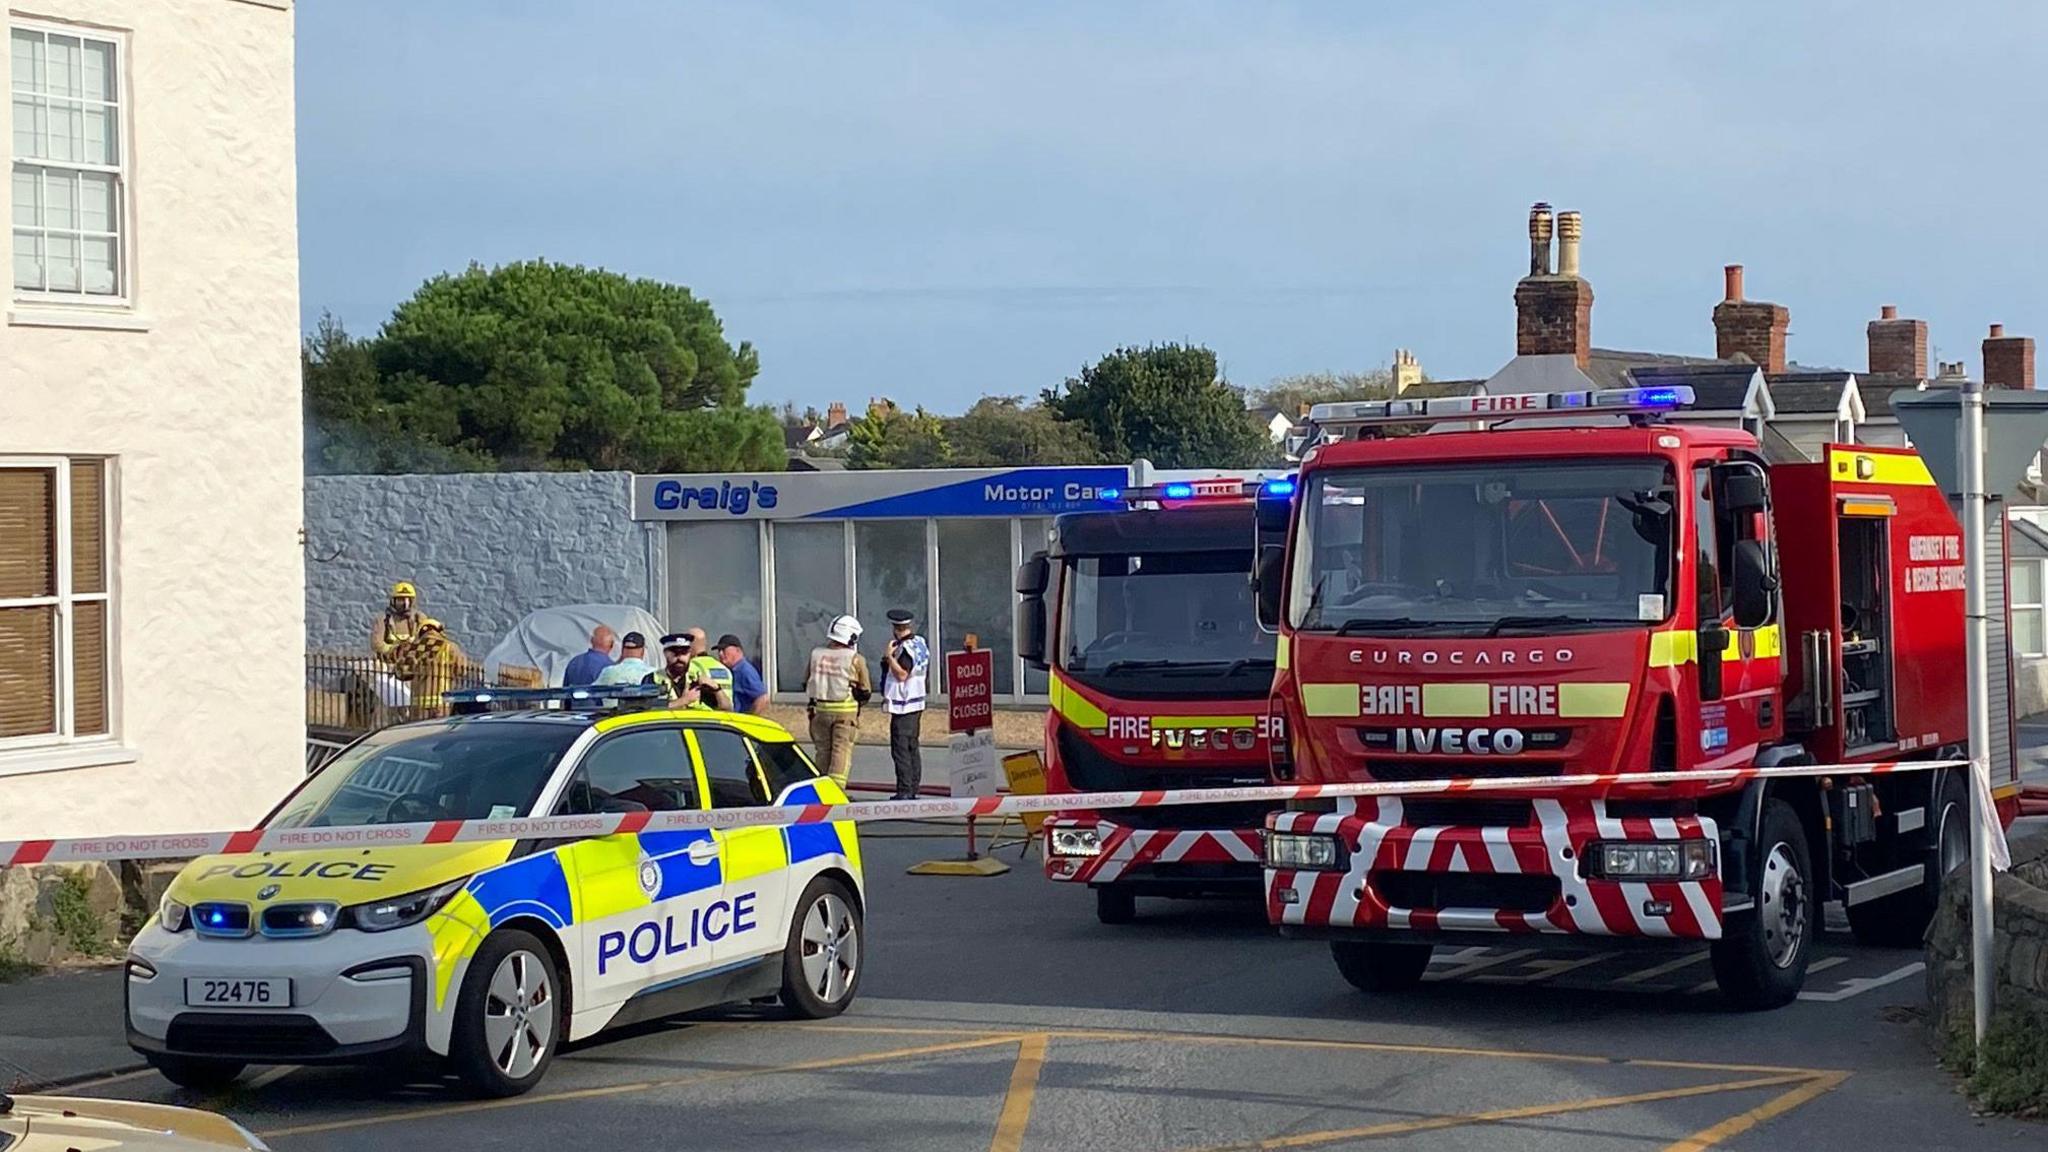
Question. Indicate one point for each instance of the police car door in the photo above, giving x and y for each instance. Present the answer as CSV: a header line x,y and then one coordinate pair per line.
x,y
755,919
641,899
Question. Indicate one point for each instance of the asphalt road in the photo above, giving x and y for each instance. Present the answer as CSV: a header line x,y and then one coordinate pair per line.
x,y
996,1013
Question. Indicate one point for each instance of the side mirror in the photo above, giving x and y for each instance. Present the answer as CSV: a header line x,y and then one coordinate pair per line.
x,y
1032,578
1752,584
1713,642
1034,575
1266,579
1743,490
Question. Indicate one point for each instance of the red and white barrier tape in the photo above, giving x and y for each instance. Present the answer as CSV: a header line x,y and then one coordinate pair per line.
x,y
180,845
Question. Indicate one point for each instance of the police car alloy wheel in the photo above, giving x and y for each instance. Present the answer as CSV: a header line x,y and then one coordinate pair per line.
x,y
508,1021
821,968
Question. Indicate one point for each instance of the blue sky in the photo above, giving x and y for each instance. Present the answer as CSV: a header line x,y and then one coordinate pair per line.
x,y
937,201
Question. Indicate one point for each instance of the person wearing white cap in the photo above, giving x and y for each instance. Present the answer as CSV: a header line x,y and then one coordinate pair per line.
x,y
837,683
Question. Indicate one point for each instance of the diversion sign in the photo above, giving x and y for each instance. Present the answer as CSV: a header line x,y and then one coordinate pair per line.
x,y
908,493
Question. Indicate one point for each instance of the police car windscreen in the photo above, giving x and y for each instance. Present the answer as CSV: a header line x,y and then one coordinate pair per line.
x,y
414,774
1542,545
1166,611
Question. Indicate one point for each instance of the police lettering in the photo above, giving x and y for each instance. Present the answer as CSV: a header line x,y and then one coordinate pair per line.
x,y
289,870
674,934
1459,741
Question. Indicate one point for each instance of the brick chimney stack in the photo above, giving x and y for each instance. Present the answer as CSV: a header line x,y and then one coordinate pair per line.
x,y
1749,329
1554,313
1897,347
835,414
2008,360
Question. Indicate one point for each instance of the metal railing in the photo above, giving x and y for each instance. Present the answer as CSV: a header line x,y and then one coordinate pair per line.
x,y
349,694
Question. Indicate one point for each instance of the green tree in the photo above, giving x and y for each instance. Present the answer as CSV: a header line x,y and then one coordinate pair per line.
x,y
541,365
1289,393
1166,403
889,437
1005,432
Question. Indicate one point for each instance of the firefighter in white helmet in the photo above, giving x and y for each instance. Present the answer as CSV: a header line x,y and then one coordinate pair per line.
x,y
837,683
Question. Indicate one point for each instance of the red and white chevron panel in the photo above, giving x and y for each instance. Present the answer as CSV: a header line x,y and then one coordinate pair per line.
x,y
1373,832
1126,848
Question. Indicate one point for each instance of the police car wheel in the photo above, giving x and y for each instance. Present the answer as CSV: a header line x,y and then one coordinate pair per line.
x,y
508,1019
821,967
197,1072
1760,960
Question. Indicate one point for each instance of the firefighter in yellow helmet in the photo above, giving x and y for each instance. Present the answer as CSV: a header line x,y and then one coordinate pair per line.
x,y
399,623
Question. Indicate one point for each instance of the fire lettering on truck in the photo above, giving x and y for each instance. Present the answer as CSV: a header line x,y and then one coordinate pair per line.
x,y
1933,564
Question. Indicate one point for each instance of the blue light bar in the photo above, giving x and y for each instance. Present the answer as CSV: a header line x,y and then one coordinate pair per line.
x,y
1178,491
1109,493
1277,488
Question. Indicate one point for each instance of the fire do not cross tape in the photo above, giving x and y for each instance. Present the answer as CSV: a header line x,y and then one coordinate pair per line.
x,y
180,845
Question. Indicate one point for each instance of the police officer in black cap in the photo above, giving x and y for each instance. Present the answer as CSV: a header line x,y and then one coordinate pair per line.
x,y
903,677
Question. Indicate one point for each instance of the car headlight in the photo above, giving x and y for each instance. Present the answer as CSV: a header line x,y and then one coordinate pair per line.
x,y
400,911
1303,850
1656,860
1076,842
173,916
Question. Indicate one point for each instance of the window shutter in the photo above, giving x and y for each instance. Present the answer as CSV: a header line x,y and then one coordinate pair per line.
x,y
28,671
28,533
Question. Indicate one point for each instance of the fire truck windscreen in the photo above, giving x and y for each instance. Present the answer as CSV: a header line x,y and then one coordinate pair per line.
x,y
1186,617
1546,546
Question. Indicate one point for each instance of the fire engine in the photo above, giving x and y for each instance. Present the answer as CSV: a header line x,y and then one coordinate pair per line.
x,y
1575,584
1158,677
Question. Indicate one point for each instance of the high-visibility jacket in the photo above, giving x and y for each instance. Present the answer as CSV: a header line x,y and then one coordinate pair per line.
x,y
837,679
707,668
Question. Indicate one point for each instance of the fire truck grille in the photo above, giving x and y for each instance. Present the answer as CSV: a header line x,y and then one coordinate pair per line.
x,y
1090,771
1404,770
1426,813
1509,892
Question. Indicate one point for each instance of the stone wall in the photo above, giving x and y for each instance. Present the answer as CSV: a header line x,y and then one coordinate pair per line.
x,y
2019,915
485,549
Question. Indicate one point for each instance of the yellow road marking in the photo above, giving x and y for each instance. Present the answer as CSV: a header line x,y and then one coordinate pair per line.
x,y
1774,1107
1501,1115
644,1085
1116,1035
1016,1115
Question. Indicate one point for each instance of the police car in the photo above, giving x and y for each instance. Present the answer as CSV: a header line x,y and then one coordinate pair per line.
x,y
493,954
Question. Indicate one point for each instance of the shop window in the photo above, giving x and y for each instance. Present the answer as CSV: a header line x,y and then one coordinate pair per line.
x,y
890,570
810,589
714,581
2028,637
975,579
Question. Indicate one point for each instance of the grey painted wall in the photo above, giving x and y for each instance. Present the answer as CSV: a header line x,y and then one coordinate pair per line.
x,y
484,548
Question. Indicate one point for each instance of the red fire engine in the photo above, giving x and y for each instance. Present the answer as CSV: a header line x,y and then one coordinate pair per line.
x,y
1620,595
1158,677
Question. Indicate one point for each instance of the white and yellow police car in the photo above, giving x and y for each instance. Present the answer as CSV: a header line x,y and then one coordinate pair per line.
x,y
493,954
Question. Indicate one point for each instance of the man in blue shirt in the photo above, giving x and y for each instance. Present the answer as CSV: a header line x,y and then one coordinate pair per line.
x,y
585,667
749,691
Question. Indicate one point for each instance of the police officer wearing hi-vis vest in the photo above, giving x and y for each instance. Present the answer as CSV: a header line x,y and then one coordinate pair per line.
x,y
903,695
837,683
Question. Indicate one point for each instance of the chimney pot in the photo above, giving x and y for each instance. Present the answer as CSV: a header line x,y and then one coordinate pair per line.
x,y
1997,331
1539,239
1731,283
1568,229
1888,312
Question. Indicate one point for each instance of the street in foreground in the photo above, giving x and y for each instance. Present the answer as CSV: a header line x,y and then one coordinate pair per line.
x,y
996,1013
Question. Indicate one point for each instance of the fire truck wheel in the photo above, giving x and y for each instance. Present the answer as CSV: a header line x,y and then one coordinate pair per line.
x,y
1374,966
1760,961
1900,920
1115,905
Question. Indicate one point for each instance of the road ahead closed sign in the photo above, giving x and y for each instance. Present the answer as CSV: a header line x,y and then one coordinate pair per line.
x,y
970,690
